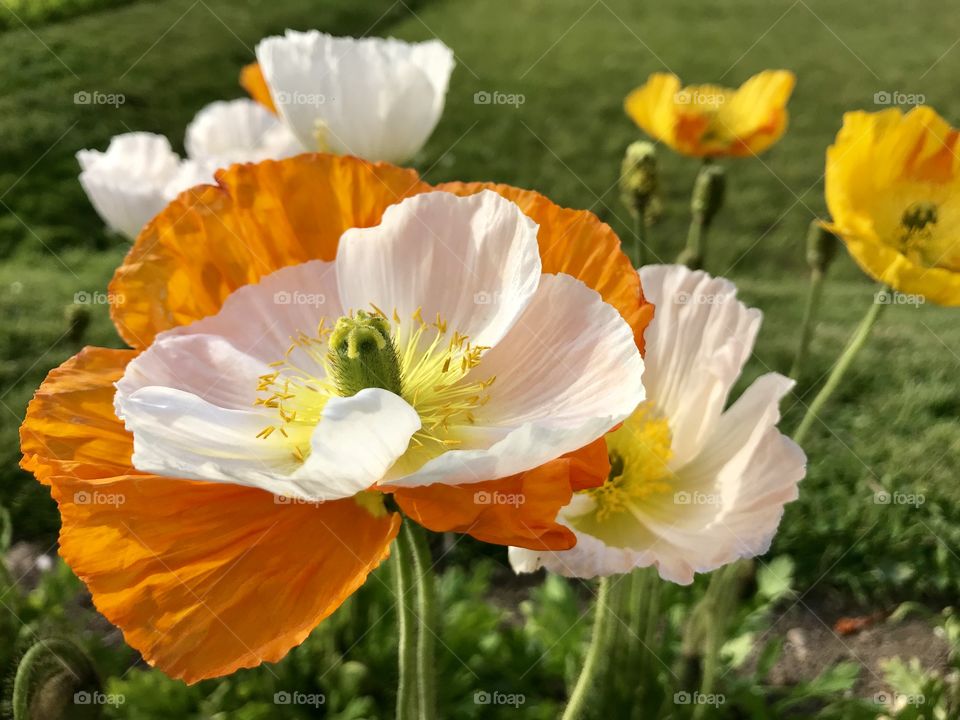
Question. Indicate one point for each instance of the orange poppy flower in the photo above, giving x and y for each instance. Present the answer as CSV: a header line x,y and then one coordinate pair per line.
x,y
710,120
188,567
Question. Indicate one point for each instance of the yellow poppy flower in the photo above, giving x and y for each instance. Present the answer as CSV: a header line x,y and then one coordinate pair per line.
x,y
713,121
893,190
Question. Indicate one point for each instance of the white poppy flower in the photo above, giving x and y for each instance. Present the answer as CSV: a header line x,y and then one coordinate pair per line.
x,y
139,173
228,132
381,367
375,98
693,485
126,184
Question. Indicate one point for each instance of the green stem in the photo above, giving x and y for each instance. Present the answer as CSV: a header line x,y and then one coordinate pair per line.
x,y
639,255
402,567
692,255
423,568
859,339
809,318
578,698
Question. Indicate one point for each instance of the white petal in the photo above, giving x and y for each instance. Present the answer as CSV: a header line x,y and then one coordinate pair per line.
x,y
566,373
589,558
126,183
236,131
190,174
262,318
727,505
356,442
474,260
376,98
207,366
188,402
697,344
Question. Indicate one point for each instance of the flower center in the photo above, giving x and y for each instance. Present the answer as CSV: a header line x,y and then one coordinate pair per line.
x,y
424,363
917,225
361,355
640,452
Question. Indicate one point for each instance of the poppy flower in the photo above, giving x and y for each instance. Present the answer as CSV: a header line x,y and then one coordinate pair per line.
x,y
308,336
376,98
893,191
694,484
710,120
140,173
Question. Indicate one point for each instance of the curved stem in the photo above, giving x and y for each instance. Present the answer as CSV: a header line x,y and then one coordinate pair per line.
x,y
809,316
859,339
577,703
402,569
423,570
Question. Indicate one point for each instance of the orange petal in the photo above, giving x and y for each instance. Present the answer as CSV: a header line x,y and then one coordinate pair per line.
x,y
213,239
519,510
577,243
253,81
203,578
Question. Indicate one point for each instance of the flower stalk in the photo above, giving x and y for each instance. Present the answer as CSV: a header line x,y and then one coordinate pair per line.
x,y
821,250
413,572
859,339
639,192
603,616
426,612
402,570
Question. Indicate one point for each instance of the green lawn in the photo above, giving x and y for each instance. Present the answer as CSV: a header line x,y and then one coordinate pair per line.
x,y
894,426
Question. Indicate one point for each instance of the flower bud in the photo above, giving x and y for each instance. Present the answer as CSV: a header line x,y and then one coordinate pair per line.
x,y
639,184
708,192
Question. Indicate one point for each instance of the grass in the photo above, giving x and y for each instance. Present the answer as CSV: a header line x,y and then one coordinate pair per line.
x,y
894,424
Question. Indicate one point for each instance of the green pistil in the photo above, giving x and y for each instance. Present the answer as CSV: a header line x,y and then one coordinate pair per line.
x,y
362,355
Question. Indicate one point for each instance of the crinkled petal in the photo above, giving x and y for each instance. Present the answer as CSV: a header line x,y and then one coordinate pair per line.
x,y
697,345
577,243
188,570
259,218
376,98
126,184
235,131
566,373
518,510
471,261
